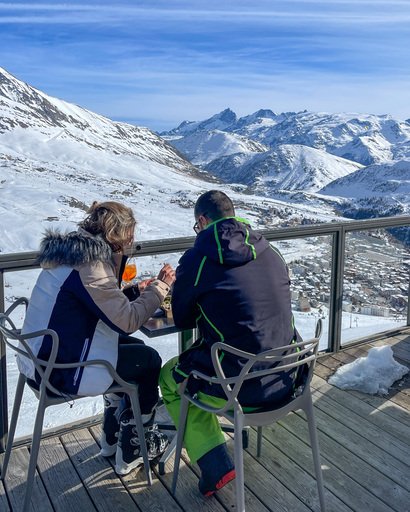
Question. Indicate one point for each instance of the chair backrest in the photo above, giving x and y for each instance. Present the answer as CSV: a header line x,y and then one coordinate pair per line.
x,y
282,359
19,343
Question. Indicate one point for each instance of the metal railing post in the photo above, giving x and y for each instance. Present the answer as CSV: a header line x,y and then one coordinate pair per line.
x,y
3,377
336,286
408,305
186,338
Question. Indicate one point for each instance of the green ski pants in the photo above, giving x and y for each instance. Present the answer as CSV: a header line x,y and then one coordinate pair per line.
x,y
202,430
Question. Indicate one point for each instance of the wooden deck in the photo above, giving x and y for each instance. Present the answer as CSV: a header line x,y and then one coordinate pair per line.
x,y
364,441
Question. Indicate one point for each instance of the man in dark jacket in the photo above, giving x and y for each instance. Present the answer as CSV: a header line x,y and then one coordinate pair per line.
x,y
234,287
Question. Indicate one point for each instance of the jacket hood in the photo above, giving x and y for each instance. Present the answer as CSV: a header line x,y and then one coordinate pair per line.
x,y
230,241
72,249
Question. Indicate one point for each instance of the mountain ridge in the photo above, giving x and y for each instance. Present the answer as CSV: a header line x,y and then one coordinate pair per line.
x,y
337,146
56,158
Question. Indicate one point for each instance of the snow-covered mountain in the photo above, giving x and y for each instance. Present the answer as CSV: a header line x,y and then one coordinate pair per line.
x,y
306,152
221,121
289,167
53,121
375,180
363,138
56,158
204,147
374,191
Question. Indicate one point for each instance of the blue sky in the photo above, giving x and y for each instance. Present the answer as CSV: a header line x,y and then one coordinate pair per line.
x,y
157,63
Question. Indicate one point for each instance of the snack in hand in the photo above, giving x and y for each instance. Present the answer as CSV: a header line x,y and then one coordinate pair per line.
x,y
166,306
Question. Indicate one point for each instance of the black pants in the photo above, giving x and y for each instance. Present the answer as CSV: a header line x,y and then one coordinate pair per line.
x,y
141,364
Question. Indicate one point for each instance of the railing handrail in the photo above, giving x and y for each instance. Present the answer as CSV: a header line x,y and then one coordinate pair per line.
x,y
27,260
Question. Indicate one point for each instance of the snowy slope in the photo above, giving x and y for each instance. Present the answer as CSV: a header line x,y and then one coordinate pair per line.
x,y
363,138
391,179
288,167
47,125
202,147
56,158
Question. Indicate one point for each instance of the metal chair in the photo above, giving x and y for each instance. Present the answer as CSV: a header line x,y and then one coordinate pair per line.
x,y
291,357
48,395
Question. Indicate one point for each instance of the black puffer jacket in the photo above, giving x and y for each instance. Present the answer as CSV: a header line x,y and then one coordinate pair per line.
x,y
234,286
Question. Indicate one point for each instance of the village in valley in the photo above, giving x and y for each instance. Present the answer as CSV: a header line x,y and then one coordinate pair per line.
x,y
375,279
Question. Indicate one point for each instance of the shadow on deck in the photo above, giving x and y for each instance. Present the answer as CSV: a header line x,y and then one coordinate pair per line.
x,y
364,441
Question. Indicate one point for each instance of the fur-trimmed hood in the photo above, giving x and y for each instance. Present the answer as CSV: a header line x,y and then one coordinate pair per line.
x,y
72,249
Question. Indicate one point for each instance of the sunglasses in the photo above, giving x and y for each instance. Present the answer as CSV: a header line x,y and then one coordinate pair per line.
x,y
196,227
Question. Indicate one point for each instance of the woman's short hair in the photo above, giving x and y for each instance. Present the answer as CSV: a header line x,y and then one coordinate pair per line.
x,y
215,205
113,221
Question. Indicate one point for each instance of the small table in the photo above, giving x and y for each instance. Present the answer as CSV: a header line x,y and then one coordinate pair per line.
x,y
159,326
162,325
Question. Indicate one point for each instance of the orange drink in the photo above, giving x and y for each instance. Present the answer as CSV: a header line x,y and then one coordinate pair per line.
x,y
130,271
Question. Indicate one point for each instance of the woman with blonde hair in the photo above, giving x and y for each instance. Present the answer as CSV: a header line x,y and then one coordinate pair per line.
x,y
78,295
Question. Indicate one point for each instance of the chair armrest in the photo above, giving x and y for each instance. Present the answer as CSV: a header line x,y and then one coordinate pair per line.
x,y
16,303
95,362
222,381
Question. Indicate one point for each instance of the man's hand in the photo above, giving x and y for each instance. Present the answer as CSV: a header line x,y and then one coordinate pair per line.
x,y
167,274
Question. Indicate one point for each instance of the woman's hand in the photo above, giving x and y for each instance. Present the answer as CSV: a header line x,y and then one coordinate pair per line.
x,y
167,274
143,284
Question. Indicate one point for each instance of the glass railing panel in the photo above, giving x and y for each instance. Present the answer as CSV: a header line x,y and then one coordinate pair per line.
x,y
309,262
376,283
148,267
21,283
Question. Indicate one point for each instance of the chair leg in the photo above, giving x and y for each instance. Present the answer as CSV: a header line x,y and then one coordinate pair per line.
x,y
238,456
167,455
141,434
35,445
180,439
315,451
13,423
259,442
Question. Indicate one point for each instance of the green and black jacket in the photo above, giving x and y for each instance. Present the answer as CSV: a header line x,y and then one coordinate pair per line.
x,y
235,288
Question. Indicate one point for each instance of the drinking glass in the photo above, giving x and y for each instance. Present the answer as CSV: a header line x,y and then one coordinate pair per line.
x,y
130,272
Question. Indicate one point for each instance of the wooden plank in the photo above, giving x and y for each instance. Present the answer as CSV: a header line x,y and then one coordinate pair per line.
x,y
340,483
392,448
361,446
340,445
15,484
155,498
387,406
295,478
376,415
262,490
187,494
103,486
322,370
60,478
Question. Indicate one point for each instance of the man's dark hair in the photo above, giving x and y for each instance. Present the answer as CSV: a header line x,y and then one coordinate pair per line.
x,y
215,205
